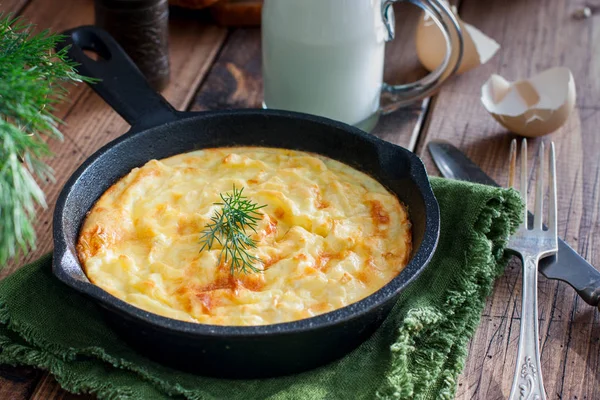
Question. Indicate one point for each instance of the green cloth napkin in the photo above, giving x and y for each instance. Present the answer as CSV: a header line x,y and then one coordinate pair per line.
x,y
417,353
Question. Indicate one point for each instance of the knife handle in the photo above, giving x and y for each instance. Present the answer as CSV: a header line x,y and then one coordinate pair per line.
x,y
591,295
570,267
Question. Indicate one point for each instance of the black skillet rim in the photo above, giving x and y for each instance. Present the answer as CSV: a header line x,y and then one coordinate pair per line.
x,y
420,259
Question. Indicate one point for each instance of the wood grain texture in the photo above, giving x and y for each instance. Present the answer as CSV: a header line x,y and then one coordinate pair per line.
x,y
12,6
234,80
535,35
48,388
17,383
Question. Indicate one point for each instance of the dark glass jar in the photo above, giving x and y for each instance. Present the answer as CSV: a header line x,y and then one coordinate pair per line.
x,y
142,28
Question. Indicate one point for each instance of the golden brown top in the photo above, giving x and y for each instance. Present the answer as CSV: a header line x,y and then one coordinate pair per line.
x,y
329,236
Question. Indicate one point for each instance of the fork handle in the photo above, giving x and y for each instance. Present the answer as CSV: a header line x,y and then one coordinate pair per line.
x,y
527,383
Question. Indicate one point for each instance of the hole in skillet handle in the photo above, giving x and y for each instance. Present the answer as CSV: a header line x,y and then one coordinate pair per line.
x,y
97,51
92,46
120,82
91,54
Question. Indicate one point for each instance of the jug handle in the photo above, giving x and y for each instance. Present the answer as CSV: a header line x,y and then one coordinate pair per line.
x,y
445,19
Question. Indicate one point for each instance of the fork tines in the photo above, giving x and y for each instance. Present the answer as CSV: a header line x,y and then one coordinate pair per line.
x,y
539,196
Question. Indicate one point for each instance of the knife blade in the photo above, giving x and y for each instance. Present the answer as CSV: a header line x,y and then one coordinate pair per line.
x,y
567,265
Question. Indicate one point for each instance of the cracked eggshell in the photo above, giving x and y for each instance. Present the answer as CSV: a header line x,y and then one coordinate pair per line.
x,y
431,46
531,107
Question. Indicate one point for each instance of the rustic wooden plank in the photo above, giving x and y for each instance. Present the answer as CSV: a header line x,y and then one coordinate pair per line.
x,y
235,81
91,123
12,6
535,35
48,388
17,383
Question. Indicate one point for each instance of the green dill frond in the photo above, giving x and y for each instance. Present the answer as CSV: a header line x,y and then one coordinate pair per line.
x,y
229,227
32,82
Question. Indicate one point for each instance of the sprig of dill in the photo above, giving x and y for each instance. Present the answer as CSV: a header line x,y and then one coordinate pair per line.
x,y
32,78
230,226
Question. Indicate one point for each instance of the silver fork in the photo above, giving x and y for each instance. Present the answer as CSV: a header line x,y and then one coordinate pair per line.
x,y
531,244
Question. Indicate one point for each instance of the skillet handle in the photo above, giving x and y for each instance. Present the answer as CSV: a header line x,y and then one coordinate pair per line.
x,y
122,85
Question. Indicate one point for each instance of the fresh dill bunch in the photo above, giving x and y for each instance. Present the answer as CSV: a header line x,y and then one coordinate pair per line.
x,y
32,78
230,227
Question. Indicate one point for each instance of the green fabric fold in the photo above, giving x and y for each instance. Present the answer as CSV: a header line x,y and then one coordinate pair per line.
x,y
418,353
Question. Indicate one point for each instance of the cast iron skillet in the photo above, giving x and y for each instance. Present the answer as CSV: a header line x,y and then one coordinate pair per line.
x,y
158,131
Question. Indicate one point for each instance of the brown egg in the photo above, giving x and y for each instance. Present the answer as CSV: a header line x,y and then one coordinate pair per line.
x,y
431,46
531,107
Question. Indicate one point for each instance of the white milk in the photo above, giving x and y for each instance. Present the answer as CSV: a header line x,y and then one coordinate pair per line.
x,y
323,57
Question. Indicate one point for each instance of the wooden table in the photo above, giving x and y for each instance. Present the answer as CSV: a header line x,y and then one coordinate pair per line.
x,y
214,68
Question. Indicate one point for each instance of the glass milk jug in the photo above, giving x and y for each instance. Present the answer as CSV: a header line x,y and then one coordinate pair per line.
x,y
326,57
